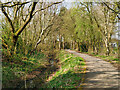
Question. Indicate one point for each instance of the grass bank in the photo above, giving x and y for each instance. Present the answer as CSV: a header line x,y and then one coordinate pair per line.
x,y
112,58
36,68
70,73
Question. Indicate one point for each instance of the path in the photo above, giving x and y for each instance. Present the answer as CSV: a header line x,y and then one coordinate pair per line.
x,y
99,73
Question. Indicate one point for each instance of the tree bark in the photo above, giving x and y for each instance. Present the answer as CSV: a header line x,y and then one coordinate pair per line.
x,y
78,44
73,44
107,47
63,42
60,38
54,43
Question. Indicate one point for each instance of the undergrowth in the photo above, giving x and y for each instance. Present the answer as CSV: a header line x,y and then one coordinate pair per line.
x,y
70,73
13,71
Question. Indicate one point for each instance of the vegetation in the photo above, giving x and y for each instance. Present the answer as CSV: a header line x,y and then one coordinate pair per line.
x,y
15,72
70,73
33,32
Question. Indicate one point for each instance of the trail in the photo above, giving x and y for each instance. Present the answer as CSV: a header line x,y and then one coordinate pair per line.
x,y
99,74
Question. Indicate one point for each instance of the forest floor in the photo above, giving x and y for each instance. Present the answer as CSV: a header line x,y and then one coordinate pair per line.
x,y
65,70
99,73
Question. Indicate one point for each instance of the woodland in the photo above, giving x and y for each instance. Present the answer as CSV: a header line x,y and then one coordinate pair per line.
x,y
35,35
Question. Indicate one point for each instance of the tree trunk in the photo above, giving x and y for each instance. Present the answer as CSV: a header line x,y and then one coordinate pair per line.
x,y
60,42
107,47
93,48
78,48
12,48
119,52
54,43
64,43
73,45
96,50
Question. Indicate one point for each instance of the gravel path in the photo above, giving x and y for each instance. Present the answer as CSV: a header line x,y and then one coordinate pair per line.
x,y
99,73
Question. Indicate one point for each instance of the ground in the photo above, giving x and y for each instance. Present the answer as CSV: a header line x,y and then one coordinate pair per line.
x,y
99,73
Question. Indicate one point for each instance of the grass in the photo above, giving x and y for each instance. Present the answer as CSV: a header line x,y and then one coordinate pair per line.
x,y
112,57
12,72
109,58
70,73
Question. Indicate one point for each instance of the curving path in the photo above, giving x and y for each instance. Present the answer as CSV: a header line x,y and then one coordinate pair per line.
x,y
99,74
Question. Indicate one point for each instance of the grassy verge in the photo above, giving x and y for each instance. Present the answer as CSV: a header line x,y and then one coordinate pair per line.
x,y
113,59
70,73
107,58
110,58
12,72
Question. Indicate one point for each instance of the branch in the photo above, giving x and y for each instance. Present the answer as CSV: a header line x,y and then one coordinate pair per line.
x,y
28,12
39,41
4,44
27,21
112,10
118,16
6,2
9,20
99,26
15,13
16,10
86,6
42,34
14,4
46,7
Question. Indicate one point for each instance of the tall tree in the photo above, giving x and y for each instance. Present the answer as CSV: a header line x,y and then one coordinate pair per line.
x,y
13,22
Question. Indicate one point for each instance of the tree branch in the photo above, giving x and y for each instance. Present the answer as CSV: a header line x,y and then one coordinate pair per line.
x,y
46,7
27,21
43,33
15,13
9,20
112,10
39,41
4,44
14,4
6,2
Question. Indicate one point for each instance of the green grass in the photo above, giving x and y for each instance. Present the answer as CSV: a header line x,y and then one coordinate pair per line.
x,y
69,75
12,72
116,59
108,58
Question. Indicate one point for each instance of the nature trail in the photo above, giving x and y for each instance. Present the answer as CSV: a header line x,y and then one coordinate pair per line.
x,y
99,73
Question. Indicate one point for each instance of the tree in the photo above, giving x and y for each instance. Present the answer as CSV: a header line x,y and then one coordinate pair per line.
x,y
106,23
13,22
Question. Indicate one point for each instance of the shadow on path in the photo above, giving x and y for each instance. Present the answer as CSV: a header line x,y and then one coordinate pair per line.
x,y
99,74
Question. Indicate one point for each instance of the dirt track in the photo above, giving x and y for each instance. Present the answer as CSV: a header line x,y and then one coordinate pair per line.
x,y
99,74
